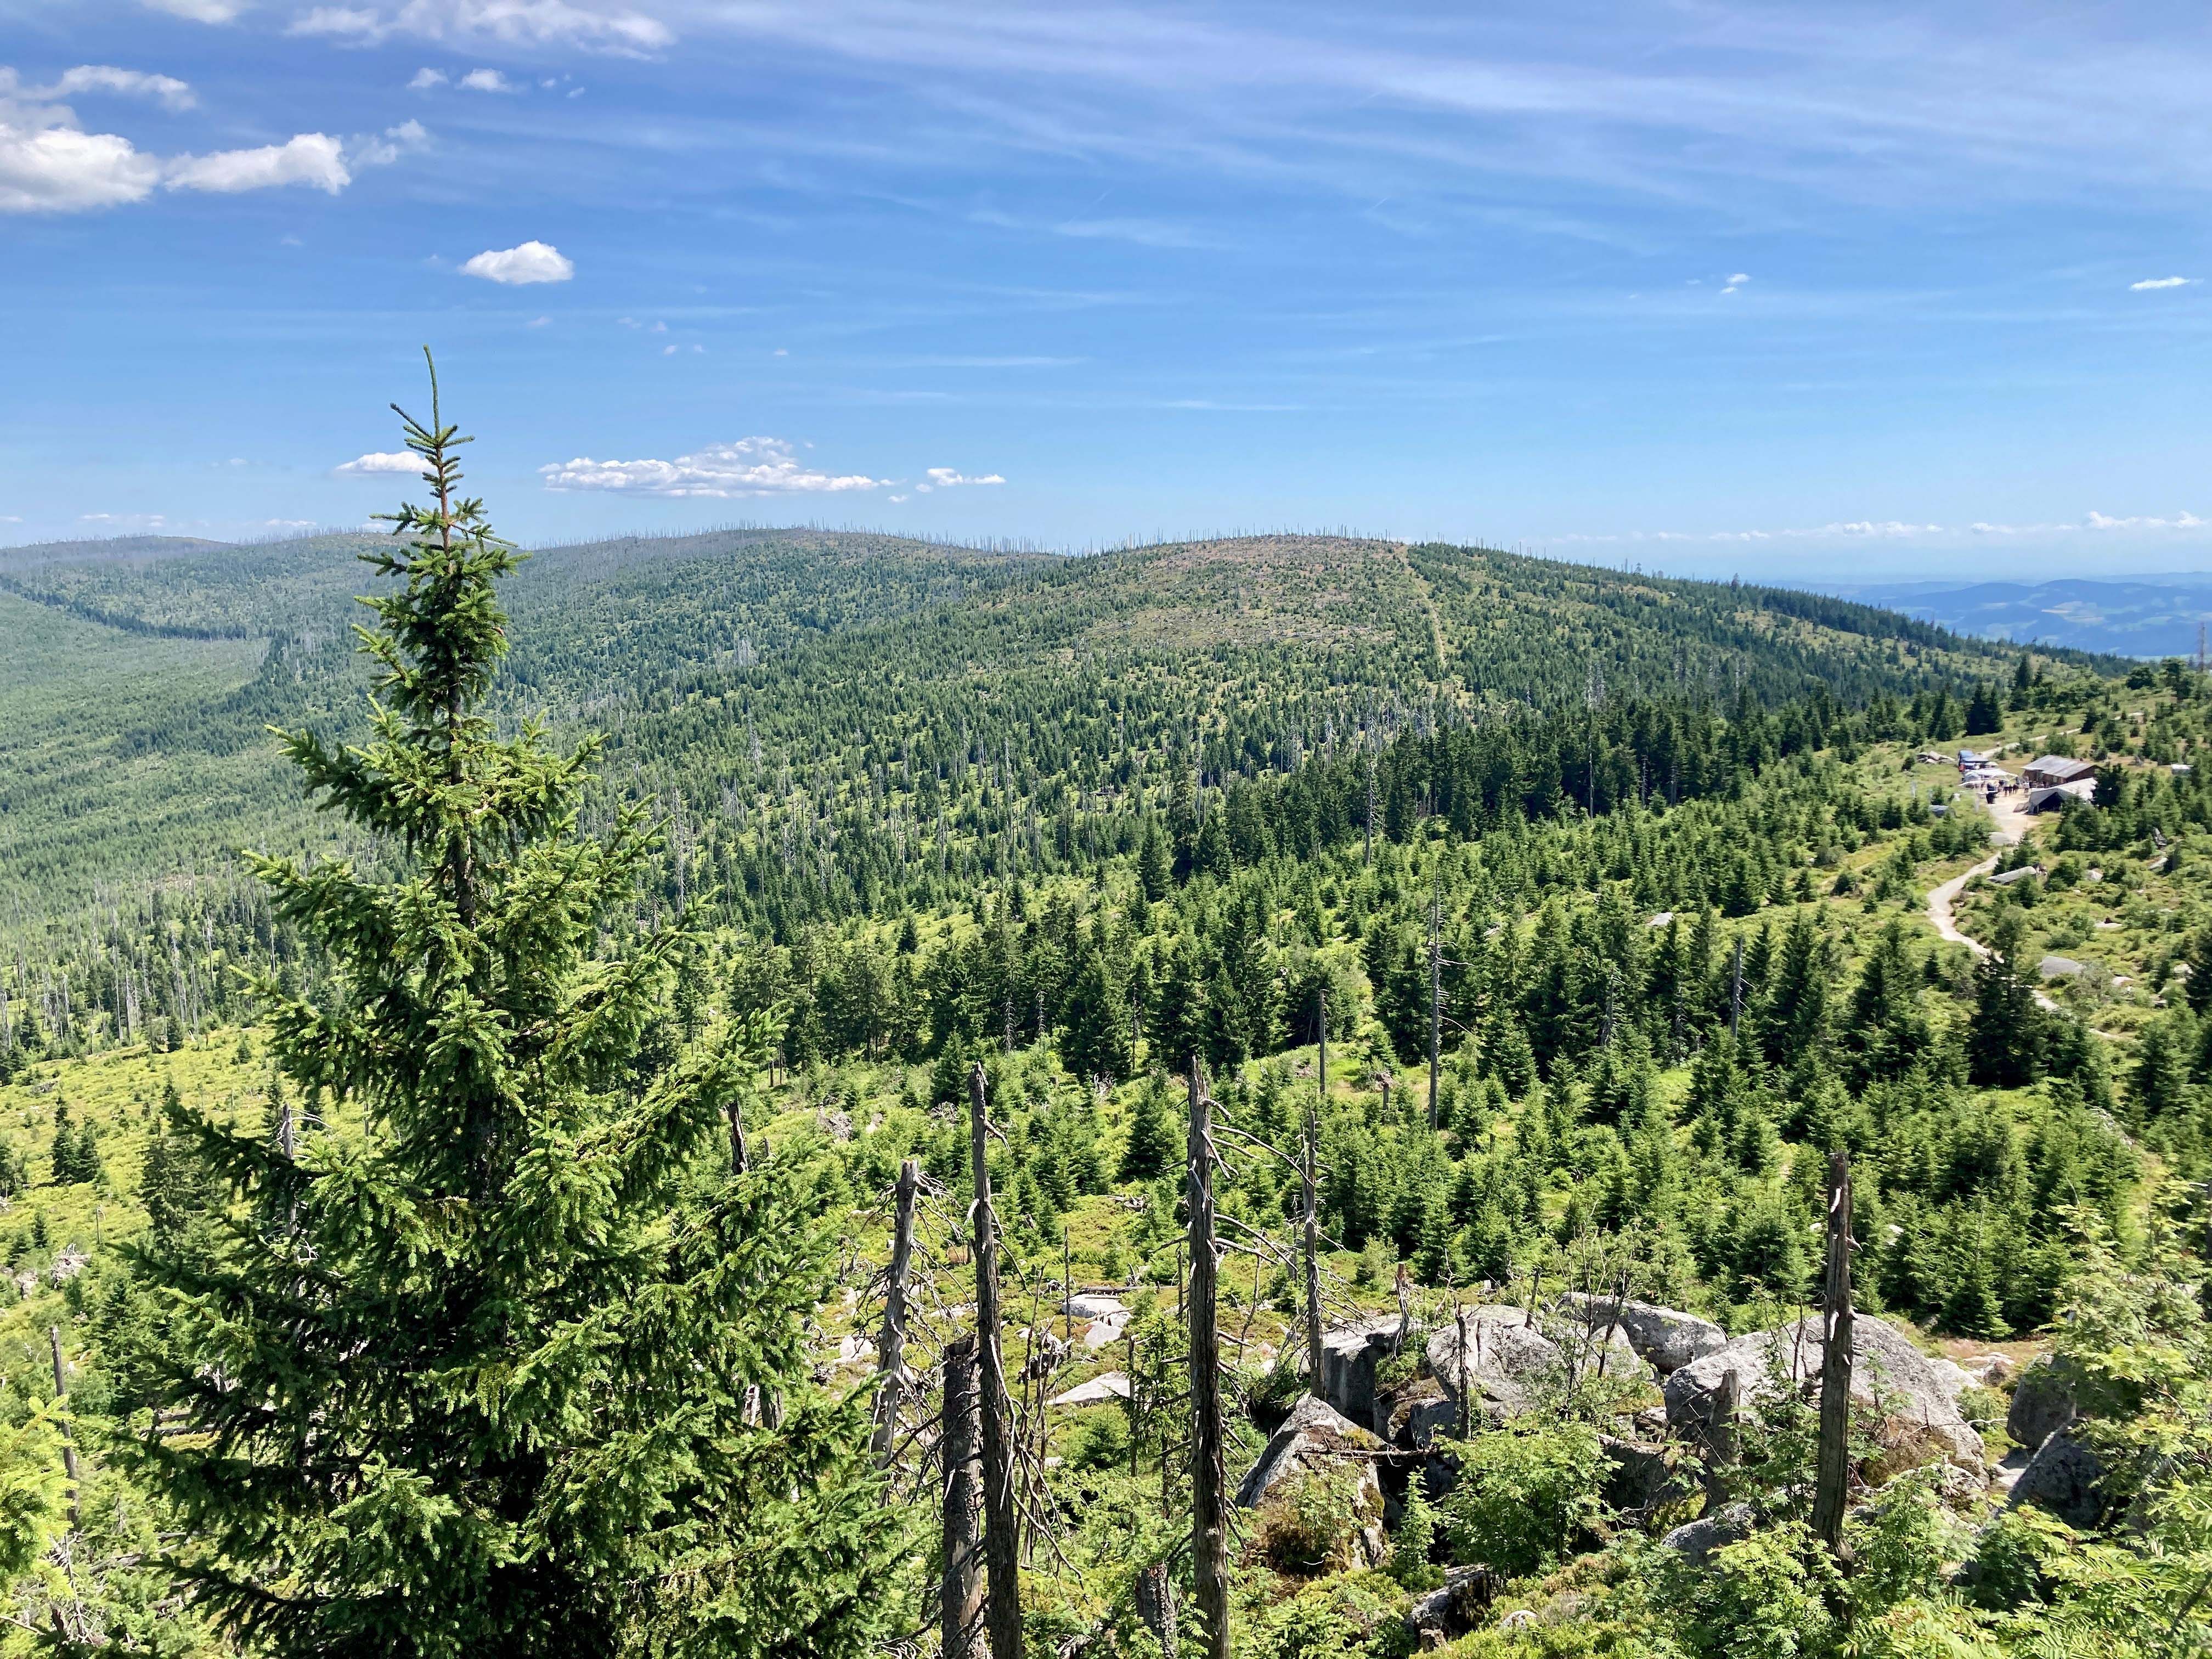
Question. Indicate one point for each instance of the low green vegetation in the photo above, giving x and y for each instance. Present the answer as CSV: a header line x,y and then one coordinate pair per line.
x,y
478,1244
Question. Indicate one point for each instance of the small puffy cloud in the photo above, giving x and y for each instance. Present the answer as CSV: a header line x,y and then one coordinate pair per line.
x,y
527,262
427,79
1735,282
486,79
588,25
751,466
943,477
57,169
538,322
313,159
199,11
382,149
164,89
2183,520
361,467
2150,282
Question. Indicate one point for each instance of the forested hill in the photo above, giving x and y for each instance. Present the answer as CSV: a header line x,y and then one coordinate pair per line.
x,y
766,681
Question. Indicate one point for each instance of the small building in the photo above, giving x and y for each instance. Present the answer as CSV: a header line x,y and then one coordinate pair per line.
x,y
2052,797
2051,771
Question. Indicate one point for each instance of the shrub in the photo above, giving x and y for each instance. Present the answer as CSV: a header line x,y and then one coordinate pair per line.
x,y
1526,1494
1310,1528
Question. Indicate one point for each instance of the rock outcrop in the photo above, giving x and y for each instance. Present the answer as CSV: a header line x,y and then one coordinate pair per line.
x,y
1887,1369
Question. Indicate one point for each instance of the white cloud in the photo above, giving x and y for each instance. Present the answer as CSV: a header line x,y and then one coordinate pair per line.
x,y
199,11
427,79
2160,281
313,159
57,169
404,460
165,89
2184,520
944,477
538,322
590,25
486,79
751,466
528,262
383,150
1735,283
49,164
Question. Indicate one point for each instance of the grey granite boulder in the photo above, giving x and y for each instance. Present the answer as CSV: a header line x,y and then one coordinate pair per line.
x,y
1665,1339
1708,1533
1349,1354
2064,1477
2042,1404
1315,1436
1456,1609
1507,1360
1885,1367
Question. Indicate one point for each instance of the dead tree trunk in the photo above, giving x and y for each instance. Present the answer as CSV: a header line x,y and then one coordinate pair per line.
x,y
1833,1473
890,1343
1308,1171
1436,999
1001,1521
68,1441
1209,1546
960,1594
1155,1605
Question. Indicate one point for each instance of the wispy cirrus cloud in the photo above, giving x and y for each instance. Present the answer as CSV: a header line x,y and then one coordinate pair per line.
x,y
749,466
1900,530
2151,282
582,24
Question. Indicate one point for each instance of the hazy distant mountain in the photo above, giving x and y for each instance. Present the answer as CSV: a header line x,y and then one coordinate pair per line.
x,y
2132,616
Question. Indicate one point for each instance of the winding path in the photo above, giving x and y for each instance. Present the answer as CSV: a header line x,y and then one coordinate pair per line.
x,y
2008,813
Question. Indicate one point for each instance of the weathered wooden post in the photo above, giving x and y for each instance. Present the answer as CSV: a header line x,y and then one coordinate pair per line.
x,y
1002,1516
1209,1546
1832,1471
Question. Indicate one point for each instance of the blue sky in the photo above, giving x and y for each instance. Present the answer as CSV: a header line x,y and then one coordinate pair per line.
x,y
1812,291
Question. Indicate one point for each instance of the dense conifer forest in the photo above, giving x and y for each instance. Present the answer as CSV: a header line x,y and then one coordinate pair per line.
x,y
803,1093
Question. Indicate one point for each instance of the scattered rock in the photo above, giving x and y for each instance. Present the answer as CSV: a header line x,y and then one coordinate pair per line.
x,y
1099,1332
1991,1371
1708,1533
1665,1338
1918,1406
853,1349
2058,967
1507,1357
2062,1477
1113,1385
1094,1304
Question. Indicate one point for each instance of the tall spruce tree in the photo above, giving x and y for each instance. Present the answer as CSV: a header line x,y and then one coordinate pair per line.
x,y
488,1375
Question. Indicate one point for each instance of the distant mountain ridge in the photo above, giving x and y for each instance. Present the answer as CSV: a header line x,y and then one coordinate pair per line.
x,y
2128,617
